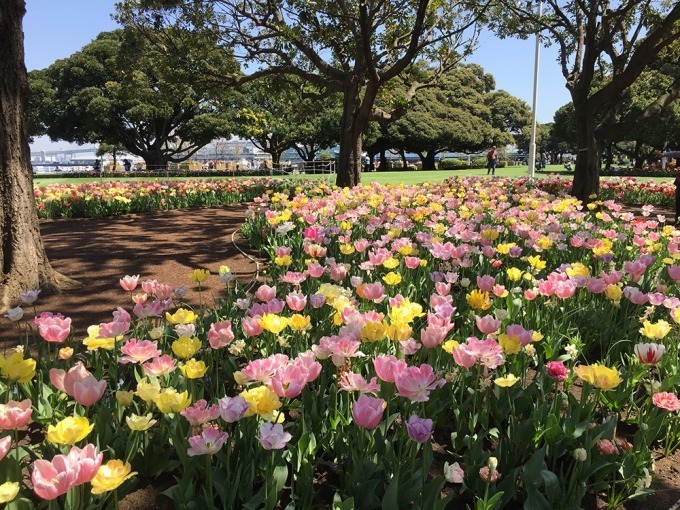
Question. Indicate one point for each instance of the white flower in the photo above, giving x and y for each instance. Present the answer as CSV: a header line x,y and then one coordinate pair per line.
x,y
156,333
453,472
15,314
493,463
500,314
465,282
571,350
185,329
29,297
580,454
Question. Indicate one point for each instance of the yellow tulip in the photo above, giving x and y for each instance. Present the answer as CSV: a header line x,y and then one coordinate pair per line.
x,y
511,344
299,322
93,342
536,262
70,430
111,475
373,331
181,316
599,376
193,369
578,269
392,278
124,398
391,263
514,274
140,423
16,368
655,331
285,260
171,401
185,347
449,346
613,292
263,402
199,275
507,381
148,391
273,323
8,491
478,300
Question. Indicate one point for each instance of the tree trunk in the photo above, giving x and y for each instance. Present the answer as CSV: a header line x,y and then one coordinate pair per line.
x,y
404,163
429,161
383,160
587,169
352,126
22,254
155,161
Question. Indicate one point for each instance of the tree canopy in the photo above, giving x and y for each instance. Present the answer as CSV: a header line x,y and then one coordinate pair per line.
x,y
352,47
120,89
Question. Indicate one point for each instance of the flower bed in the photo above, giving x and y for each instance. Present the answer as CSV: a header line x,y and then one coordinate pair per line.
x,y
533,342
111,198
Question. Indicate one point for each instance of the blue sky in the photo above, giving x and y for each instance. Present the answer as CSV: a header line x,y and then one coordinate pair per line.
x,y
56,29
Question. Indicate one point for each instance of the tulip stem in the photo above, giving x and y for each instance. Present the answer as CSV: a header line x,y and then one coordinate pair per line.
x,y
209,477
16,441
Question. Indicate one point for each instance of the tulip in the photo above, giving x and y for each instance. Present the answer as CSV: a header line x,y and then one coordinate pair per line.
x,y
265,293
667,401
200,413
160,366
208,443
232,409
649,354
140,423
171,401
556,370
506,382
273,437
419,429
185,347
8,491
129,283
110,476
193,369
124,398
55,329
368,411
16,368
220,334
15,415
15,314
453,473
52,479
86,461
30,296
387,367
415,383
70,430
5,445
487,324
199,275
88,391
138,351
599,376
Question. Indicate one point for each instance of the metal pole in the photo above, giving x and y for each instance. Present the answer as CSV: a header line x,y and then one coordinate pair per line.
x,y
532,143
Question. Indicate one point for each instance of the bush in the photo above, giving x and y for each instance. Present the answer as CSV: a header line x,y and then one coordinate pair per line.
x,y
452,164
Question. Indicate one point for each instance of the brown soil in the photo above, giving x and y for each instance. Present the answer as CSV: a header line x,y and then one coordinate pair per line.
x,y
167,246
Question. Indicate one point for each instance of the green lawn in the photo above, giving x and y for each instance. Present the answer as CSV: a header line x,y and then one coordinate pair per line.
x,y
410,177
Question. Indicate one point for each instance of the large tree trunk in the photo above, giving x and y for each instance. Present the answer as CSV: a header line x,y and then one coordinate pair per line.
x,y
22,255
428,160
155,161
383,160
352,126
587,169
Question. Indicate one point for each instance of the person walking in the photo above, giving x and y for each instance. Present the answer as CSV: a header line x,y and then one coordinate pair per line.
x,y
491,160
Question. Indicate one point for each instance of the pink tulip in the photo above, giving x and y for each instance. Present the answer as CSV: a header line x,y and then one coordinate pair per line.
x,y
252,325
273,437
487,324
5,445
153,309
564,290
65,381
52,479
113,329
387,367
121,315
149,286
296,301
138,351
431,336
525,336
415,383
667,401
463,356
289,381
315,270
317,300
129,283
200,413
486,283
263,369
163,292
442,288
307,361
368,411
15,415
649,354
374,292
349,381
674,272
160,366
556,370
86,461
88,391
55,329
208,443
635,295
265,293
595,285
412,262
220,334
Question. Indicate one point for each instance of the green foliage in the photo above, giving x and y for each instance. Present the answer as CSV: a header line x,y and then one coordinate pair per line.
x,y
121,90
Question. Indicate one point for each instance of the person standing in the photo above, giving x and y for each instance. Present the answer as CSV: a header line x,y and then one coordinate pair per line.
x,y
491,160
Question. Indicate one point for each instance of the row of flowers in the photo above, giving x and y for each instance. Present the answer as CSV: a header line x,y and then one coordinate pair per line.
x,y
109,198
510,327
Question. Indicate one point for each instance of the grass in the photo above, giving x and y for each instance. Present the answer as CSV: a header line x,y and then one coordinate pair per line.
x,y
407,178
